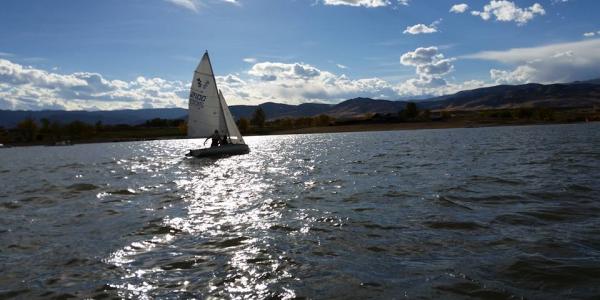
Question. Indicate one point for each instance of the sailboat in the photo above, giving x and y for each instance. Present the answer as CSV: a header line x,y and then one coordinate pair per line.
x,y
208,112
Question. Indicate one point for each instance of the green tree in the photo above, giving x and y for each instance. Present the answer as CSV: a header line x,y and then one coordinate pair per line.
x,y
3,135
545,114
323,120
45,130
244,125
183,128
28,129
446,115
411,110
78,129
56,130
98,126
259,118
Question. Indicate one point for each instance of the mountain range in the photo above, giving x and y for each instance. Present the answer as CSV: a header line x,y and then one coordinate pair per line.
x,y
570,95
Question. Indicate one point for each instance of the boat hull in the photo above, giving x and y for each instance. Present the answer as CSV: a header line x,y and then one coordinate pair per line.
x,y
225,150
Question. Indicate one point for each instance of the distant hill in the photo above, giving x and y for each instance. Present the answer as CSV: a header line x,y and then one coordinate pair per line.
x,y
10,118
571,95
579,94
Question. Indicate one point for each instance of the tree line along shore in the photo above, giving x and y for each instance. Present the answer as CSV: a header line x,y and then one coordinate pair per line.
x,y
53,132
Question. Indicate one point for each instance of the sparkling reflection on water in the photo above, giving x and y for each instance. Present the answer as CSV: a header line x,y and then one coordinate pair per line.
x,y
483,213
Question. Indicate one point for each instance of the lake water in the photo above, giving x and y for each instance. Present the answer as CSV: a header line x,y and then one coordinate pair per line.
x,y
457,213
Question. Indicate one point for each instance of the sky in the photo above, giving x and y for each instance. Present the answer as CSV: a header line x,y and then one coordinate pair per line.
x,y
117,54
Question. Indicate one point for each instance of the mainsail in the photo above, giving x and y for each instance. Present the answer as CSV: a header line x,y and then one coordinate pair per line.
x,y
232,129
205,113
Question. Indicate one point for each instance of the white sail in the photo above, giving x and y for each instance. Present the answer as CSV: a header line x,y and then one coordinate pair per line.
x,y
205,112
232,129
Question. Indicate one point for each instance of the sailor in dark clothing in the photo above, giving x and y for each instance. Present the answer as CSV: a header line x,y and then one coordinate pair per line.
x,y
215,138
224,140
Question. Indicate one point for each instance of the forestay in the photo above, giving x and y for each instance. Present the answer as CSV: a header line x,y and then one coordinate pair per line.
x,y
205,115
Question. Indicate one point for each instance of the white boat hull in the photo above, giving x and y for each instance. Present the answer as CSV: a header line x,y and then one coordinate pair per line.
x,y
225,150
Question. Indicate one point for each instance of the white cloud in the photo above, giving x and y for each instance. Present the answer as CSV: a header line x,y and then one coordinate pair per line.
x,y
562,62
250,60
297,83
522,74
187,4
435,87
29,88
591,33
430,67
420,29
459,8
427,62
194,5
421,56
364,3
508,11
341,66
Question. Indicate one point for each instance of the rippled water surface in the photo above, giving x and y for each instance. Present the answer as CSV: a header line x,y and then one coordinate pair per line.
x,y
480,213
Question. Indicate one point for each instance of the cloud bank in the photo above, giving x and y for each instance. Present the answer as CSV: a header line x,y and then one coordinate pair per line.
x,y
562,62
28,88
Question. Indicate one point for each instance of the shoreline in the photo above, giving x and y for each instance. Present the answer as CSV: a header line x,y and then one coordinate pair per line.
x,y
324,129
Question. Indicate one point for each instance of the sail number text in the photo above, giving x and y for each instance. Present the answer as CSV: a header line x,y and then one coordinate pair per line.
x,y
197,99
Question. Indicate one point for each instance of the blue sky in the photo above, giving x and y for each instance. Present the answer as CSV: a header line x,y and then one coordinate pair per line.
x,y
112,54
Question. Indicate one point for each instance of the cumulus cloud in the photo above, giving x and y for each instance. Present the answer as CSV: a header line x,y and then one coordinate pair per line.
x,y
29,88
459,8
430,67
522,74
421,56
420,29
435,87
299,82
508,11
23,87
562,62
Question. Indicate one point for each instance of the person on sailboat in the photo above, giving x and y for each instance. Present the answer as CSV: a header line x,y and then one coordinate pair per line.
x,y
216,138
224,140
